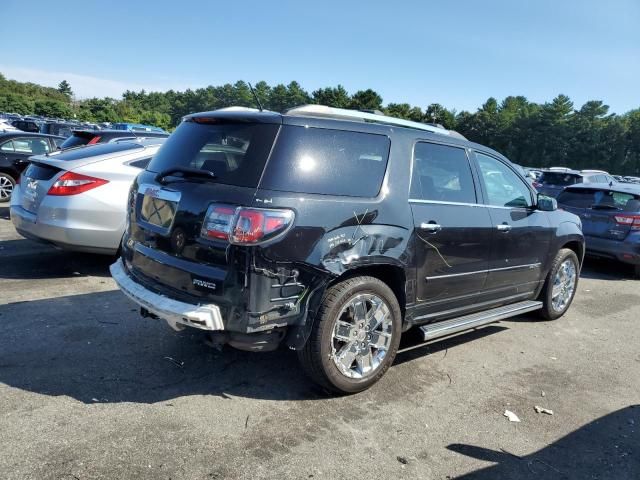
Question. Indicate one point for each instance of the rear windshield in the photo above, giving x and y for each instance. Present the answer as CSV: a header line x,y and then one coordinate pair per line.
x,y
235,152
599,199
558,178
76,140
330,162
95,150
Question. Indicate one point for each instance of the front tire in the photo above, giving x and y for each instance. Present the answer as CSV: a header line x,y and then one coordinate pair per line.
x,y
561,284
355,335
7,185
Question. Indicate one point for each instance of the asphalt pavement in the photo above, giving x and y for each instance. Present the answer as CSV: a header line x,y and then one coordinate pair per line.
x,y
90,390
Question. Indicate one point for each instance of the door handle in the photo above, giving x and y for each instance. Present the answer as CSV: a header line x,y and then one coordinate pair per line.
x,y
504,227
431,227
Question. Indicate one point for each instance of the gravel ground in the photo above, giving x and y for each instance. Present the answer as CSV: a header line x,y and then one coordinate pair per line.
x,y
89,390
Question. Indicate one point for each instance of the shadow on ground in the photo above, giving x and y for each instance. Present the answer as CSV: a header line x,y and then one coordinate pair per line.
x,y
4,212
601,269
605,448
24,259
96,347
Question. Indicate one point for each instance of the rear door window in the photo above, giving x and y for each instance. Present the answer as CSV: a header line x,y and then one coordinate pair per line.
x,y
31,146
325,161
235,152
441,173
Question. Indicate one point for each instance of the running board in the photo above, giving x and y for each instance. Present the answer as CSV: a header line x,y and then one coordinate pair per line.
x,y
455,325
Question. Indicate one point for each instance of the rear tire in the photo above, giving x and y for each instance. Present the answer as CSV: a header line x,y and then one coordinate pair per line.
x,y
7,185
561,284
355,336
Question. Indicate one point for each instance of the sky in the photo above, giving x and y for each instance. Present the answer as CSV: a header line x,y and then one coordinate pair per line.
x,y
456,53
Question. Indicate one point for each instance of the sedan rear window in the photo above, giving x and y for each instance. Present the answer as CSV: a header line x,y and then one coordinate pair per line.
x,y
325,161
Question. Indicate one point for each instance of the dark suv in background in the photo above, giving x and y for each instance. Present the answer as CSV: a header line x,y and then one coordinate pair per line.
x,y
553,181
610,219
334,231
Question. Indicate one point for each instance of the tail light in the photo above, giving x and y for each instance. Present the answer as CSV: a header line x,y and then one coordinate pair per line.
x,y
245,226
73,183
632,221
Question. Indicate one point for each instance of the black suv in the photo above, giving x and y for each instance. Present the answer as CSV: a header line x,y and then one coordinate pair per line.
x,y
334,231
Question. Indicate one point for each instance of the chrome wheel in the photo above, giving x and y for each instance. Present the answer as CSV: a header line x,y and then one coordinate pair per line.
x,y
361,336
6,188
564,284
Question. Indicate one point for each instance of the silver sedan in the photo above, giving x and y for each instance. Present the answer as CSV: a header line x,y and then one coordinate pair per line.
x,y
77,199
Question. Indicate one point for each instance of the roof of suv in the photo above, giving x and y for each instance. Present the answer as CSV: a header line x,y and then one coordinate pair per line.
x,y
357,121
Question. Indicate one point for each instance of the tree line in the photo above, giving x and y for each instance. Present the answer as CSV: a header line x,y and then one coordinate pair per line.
x,y
555,133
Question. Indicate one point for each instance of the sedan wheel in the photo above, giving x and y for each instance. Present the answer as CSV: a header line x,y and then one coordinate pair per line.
x,y
7,183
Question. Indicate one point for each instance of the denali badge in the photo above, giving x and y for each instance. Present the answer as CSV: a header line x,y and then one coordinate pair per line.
x,y
203,284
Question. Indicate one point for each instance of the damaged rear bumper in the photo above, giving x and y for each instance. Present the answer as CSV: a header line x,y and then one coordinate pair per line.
x,y
176,314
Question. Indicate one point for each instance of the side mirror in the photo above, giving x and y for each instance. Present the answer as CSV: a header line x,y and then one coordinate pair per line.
x,y
547,204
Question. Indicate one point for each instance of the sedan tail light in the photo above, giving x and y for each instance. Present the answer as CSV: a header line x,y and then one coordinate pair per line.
x,y
632,221
245,226
71,183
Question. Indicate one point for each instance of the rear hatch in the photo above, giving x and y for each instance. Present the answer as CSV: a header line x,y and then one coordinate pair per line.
x,y
605,213
552,183
207,160
44,170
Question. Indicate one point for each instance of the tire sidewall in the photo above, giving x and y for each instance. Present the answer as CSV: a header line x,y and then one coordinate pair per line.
x,y
13,182
334,375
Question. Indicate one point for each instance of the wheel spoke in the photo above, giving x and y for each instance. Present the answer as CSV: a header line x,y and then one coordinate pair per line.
x,y
380,340
378,315
347,355
365,361
359,309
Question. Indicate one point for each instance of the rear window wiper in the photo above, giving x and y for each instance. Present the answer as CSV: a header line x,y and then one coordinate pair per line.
x,y
185,172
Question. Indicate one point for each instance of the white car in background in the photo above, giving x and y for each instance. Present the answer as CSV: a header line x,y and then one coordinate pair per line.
x,y
5,126
77,199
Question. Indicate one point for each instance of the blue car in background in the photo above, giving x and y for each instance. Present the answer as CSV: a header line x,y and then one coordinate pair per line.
x,y
137,127
610,215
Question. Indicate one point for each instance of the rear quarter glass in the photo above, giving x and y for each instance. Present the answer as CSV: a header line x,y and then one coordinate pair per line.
x,y
329,162
235,152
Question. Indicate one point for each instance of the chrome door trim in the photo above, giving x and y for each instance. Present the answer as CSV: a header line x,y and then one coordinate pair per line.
x,y
529,266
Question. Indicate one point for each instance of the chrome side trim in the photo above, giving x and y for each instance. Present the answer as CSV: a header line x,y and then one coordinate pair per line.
x,y
439,202
529,266
460,324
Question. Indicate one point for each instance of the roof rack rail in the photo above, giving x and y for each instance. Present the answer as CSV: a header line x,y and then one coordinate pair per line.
x,y
366,116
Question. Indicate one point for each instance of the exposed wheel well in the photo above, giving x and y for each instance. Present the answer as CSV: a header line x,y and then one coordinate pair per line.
x,y
577,248
10,172
392,275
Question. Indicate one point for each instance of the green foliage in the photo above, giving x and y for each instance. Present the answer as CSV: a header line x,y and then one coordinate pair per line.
x,y
539,135
65,88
